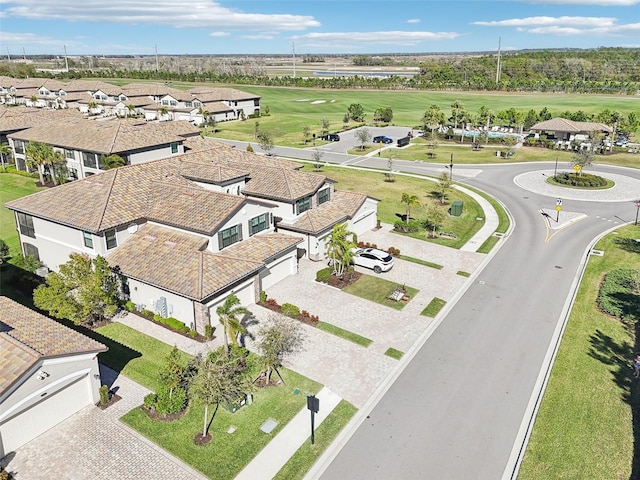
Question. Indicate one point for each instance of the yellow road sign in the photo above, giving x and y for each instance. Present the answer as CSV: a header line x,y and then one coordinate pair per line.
x,y
577,167
558,207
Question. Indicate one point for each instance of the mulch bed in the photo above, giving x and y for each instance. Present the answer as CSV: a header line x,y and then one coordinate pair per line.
x,y
153,414
200,440
113,398
278,309
347,279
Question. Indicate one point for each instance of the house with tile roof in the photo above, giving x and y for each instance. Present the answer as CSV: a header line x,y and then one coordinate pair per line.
x,y
185,232
566,130
48,372
86,143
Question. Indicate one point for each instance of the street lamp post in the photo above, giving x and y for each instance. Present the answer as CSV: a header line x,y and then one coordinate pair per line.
x,y
451,169
637,202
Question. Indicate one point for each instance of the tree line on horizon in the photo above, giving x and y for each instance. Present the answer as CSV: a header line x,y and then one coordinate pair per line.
x,y
601,71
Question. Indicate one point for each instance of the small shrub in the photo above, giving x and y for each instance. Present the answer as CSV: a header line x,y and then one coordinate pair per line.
x,y
290,310
150,400
158,318
147,313
263,296
130,306
394,252
304,314
249,148
104,395
168,402
193,333
208,331
272,302
314,319
324,275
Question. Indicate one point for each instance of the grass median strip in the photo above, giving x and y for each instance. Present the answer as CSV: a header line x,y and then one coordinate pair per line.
x,y
301,461
419,261
376,289
463,273
434,307
394,353
346,334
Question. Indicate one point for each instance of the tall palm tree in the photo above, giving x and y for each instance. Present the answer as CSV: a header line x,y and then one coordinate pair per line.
x,y
164,111
37,157
340,248
410,201
5,153
112,161
130,110
228,314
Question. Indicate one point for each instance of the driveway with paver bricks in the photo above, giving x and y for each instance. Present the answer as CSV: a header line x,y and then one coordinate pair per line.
x,y
350,370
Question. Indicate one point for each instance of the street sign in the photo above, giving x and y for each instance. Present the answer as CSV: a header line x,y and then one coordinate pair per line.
x,y
577,167
558,201
558,207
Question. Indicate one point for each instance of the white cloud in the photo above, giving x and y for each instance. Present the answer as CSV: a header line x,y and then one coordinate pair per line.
x,y
219,34
342,39
263,36
413,20
549,21
193,14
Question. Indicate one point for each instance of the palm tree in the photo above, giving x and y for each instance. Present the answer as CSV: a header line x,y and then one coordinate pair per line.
x,y
37,157
228,314
410,201
112,161
433,118
5,153
340,248
163,112
130,110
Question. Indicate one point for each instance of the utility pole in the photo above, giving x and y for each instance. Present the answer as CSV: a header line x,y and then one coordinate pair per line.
x,y
8,55
66,60
293,51
156,49
499,66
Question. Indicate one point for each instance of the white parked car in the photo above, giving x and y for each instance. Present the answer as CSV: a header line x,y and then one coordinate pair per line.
x,y
378,260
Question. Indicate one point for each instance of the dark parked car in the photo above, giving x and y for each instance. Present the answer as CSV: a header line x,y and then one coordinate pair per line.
x,y
382,139
622,141
332,137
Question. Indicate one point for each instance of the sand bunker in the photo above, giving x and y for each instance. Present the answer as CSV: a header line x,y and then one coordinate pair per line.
x,y
318,101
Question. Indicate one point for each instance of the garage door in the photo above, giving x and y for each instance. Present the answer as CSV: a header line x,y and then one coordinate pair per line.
x,y
272,275
45,414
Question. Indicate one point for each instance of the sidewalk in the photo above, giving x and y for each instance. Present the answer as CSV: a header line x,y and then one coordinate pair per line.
x,y
278,451
491,221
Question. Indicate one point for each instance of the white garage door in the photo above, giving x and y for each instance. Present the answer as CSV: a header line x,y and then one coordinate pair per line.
x,y
45,414
272,275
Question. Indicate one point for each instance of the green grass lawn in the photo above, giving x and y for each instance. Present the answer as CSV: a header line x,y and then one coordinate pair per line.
x,y
228,453
421,262
377,290
301,461
391,209
434,307
394,353
346,334
13,186
134,354
585,425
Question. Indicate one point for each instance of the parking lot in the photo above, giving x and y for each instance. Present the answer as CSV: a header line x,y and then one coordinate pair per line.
x,y
348,139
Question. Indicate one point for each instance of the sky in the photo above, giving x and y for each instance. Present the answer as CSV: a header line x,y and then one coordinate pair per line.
x,y
173,27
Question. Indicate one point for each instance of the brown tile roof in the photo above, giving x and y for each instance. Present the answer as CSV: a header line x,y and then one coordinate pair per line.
x,y
21,117
106,137
342,206
216,174
179,262
89,86
26,336
564,125
216,107
282,183
211,94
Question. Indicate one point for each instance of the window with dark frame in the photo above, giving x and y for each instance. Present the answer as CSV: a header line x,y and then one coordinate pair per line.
x,y
89,160
110,237
25,223
229,236
174,147
324,196
257,224
31,250
303,205
88,239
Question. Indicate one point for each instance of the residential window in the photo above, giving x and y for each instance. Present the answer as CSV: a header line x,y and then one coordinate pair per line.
x,y
88,239
89,159
323,196
73,173
165,102
174,147
100,161
229,236
25,222
173,103
257,224
110,236
69,154
196,104
303,205
31,250
188,104
18,145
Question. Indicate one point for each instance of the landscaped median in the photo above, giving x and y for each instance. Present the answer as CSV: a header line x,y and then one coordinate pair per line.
x,y
586,426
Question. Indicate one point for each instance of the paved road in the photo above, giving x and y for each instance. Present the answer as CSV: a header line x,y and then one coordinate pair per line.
x,y
455,411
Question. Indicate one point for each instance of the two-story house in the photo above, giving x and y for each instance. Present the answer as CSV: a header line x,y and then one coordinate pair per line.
x,y
86,143
186,232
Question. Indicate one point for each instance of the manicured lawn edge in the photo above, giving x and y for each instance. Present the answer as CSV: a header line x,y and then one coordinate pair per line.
x,y
345,334
421,262
304,458
394,353
376,289
488,244
434,307
463,274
